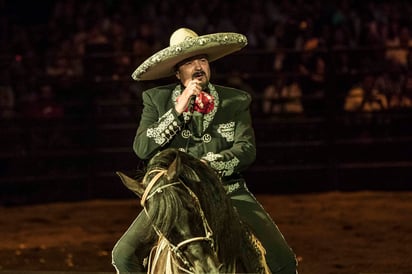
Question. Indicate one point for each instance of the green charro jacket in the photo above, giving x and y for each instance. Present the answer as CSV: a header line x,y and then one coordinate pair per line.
x,y
225,138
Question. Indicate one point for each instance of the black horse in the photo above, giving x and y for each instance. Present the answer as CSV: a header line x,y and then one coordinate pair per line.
x,y
196,227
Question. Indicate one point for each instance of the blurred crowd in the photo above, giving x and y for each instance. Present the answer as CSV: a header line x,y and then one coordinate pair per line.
x,y
48,47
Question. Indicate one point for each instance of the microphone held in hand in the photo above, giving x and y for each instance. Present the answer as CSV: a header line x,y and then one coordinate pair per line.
x,y
191,105
197,124
196,117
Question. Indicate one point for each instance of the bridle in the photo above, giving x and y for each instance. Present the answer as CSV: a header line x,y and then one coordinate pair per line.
x,y
150,191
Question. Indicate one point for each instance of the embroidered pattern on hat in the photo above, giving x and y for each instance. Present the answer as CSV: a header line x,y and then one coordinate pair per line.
x,y
218,39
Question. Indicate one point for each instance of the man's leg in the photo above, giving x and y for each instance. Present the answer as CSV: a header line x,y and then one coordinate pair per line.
x,y
279,255
131,249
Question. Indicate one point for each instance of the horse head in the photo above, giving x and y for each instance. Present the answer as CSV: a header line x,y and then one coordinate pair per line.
x,y
176,213
198,229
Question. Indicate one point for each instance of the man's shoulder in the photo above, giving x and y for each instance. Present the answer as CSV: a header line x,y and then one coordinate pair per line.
x,y
233,93
164,88
159,91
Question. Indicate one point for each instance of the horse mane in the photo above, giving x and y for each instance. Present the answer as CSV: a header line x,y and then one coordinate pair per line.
x,y
207,186
164,211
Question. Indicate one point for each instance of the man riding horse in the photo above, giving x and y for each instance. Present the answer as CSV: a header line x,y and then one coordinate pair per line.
x,y
208,121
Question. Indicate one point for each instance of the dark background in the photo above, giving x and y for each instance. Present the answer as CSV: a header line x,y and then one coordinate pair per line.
x,y
337,182
69,108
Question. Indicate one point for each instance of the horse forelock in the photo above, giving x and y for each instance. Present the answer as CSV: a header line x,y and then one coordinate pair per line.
x,y
163,205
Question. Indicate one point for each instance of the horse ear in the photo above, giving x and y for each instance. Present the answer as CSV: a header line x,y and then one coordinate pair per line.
x,y
131,184
174,169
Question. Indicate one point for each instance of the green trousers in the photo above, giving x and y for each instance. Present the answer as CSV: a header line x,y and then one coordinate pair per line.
x,y
279,255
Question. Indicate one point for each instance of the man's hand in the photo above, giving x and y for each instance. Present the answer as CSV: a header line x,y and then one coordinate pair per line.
x,y
193,88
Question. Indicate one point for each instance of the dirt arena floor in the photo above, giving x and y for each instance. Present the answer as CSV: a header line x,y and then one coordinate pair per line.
x,y
333,232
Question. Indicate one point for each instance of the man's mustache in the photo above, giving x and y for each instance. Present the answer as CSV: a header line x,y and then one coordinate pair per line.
x,y
198,74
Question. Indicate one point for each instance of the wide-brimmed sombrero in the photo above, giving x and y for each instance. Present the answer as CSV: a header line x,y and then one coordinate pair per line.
x,y
185,43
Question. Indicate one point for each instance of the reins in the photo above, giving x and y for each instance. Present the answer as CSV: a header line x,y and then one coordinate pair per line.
x,y
149,187
176,249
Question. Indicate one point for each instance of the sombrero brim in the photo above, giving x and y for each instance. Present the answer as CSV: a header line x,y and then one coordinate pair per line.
x,y
215,46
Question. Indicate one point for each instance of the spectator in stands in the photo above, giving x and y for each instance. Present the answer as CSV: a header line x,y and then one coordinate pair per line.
x,y
313,80
365,97
238,80
405,100
45,106
273,26
140,50
399,47
60,67
255,28
282,97
391,83
7,97
342,44
218,131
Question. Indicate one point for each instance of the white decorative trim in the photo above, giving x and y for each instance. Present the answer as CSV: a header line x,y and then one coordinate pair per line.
x,y
225,168
232,187
227,131
207,138
216,45
165,130
210,157
207,118
186,133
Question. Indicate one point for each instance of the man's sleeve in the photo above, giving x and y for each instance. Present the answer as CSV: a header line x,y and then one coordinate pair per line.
x,y
154,132
243,152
